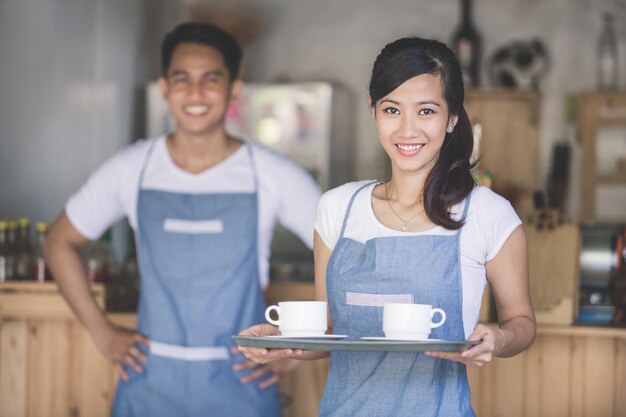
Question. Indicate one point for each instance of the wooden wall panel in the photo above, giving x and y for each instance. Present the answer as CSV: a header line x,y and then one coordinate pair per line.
x,y
554,375
577,381
91,374
599,368
619,396
14,369
49,371
508,394
533,385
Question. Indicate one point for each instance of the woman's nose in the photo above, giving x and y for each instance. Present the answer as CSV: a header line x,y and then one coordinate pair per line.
x,y
409,127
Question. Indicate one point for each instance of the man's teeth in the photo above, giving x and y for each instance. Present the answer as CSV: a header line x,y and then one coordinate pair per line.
x,y
195,109
410,147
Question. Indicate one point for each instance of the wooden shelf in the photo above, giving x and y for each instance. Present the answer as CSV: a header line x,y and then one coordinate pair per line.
x,y
597,111
509,144
39,300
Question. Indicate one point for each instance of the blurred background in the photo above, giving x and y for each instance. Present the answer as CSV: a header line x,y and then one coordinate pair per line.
x,y
546,92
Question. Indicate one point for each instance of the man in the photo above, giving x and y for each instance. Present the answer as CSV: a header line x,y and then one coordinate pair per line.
x,y
203,206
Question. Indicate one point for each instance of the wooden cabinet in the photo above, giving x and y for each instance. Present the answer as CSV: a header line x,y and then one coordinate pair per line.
x,y
506,127
49,365
595,112
568,371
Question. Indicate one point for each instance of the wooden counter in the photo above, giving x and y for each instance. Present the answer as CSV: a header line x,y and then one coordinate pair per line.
x,y
50,367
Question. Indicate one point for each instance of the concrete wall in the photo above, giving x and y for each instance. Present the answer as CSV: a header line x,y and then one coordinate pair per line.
x,y
73,72
338,41
71,90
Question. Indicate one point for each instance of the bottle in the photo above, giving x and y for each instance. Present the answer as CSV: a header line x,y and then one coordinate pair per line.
x,y
100,261
4,250
12,249
24,250
607,55
40,269
467,45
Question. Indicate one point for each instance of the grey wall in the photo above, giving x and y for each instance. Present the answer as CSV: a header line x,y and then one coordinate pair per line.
x,y
338,41
72,74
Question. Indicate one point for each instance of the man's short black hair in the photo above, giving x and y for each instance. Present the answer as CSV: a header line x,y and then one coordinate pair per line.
x,y
203,34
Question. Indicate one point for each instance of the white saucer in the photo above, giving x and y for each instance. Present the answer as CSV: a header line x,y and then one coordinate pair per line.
x,y
323,336
387,339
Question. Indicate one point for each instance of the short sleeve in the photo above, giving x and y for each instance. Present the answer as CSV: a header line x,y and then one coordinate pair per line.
x,y
330,212
97,204
496,219
296,191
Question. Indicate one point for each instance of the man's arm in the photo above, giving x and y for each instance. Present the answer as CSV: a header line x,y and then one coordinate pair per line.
x,y
62,255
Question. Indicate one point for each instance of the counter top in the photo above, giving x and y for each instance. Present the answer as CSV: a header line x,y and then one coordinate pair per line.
x,y
42,299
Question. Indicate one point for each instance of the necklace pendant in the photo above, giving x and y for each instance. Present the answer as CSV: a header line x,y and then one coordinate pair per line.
x,y
403,228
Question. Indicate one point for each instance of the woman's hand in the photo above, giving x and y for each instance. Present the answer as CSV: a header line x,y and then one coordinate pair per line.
x,y
477,355
274,369
262,355
121,347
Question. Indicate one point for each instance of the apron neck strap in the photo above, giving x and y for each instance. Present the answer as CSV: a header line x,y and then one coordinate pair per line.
x,y
345,217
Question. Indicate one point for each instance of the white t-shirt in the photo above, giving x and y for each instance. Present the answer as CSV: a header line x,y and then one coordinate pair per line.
x,y
490,221
287,193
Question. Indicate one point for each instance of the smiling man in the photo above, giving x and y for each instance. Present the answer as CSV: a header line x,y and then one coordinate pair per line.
x,y
203,205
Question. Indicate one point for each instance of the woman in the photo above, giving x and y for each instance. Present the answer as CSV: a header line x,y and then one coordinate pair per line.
x,y
429,235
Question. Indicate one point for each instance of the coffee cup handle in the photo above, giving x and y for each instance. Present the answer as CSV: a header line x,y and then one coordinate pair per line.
x,y
267,315
440,322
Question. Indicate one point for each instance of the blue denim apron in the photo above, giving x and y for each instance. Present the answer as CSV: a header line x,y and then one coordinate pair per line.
x,y
199,286
423,269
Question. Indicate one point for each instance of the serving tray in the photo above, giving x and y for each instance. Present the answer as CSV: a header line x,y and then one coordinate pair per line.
x,y
356,345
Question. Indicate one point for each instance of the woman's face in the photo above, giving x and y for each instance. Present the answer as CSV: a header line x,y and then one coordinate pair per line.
x,y
412,122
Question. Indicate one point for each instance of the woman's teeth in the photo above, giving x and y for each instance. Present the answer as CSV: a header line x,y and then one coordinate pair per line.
x,y
195,109
410,148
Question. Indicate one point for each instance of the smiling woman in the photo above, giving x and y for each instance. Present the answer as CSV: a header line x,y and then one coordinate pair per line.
x,y
428,235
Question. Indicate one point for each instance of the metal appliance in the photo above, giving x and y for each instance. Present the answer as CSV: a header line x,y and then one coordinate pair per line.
x,y
598,259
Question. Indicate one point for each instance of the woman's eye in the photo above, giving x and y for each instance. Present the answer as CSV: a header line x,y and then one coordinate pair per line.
x,y
426,111
391,110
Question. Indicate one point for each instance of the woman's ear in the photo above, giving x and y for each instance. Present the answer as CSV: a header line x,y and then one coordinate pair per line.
x,y
372,108
452,123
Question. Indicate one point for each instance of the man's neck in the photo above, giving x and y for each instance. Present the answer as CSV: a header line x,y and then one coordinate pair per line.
x,y
197,153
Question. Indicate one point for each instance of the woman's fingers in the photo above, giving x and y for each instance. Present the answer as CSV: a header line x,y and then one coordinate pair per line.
x,y
269,382
260,330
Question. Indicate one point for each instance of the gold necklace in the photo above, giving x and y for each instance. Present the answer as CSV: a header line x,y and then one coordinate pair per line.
x,y
404,222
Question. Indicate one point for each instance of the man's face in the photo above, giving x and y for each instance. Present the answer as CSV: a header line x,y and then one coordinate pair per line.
x,y
198,89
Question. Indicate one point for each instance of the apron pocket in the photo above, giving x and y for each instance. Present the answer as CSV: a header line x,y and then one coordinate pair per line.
x,y
193,226
376,300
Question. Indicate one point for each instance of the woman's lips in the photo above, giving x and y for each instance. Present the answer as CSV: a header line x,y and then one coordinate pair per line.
x,y
409,149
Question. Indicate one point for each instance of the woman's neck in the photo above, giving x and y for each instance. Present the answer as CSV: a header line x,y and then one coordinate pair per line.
x,y
406,189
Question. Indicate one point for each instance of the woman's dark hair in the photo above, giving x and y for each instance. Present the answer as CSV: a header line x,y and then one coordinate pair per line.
x,y
203,34
450,181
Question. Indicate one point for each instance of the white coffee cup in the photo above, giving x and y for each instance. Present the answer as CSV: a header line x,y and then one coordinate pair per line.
x,y
299,318
410,321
